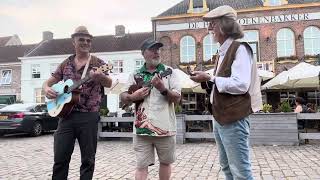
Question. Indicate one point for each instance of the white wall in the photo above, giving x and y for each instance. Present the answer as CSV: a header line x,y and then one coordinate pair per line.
x,y
28,84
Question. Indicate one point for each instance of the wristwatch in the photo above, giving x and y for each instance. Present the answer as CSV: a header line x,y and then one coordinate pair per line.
x,y
165,92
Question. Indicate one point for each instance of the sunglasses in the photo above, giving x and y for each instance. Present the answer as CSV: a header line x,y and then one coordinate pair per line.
x,y
84,39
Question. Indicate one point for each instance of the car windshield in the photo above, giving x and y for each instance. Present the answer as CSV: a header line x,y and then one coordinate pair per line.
x,y
18,107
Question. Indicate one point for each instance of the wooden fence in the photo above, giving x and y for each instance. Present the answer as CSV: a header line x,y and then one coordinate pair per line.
x,y
265,128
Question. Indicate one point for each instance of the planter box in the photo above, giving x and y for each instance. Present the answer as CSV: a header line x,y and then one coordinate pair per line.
x,y
274,129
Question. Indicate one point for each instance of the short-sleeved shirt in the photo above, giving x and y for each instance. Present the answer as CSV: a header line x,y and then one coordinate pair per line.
x,y
91,91
156,115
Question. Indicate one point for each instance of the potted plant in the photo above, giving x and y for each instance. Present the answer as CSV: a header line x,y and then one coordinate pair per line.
x,y
285,106
266,108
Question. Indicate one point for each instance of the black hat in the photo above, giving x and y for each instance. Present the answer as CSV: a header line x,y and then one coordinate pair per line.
x,y
149,43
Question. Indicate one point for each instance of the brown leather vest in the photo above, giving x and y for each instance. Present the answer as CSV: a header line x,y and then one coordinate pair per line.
x,y
228,108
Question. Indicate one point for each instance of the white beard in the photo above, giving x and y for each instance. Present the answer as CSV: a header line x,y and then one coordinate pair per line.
x,y
155,62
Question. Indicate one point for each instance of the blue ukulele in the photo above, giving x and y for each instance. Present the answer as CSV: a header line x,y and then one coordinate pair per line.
x,y
69,94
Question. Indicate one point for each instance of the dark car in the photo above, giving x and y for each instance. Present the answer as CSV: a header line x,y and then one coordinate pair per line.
x,y
28,118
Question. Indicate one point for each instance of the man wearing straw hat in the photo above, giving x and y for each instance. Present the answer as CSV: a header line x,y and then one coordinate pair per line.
x,y
82,122
235,92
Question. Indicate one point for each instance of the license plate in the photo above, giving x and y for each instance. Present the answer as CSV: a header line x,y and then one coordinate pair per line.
x,y
3,117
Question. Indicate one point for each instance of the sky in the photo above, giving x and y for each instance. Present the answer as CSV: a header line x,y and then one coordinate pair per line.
x,y
29,18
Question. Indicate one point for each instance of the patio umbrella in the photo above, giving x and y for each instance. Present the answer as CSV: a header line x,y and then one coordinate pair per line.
x,y
303,75
119,81
187,85
277,82
265,75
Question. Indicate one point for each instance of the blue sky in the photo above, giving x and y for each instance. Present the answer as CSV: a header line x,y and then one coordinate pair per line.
x,y
29,18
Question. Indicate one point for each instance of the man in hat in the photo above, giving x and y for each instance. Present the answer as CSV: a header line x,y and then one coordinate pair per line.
x,y
155,124
82,122
235,92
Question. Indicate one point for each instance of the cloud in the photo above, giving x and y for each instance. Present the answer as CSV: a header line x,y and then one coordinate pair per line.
x,y
29,18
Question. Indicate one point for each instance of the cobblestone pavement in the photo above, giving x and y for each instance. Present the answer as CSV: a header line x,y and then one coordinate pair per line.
x,y
23,157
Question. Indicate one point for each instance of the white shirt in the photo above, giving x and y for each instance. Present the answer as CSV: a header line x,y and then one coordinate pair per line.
x,y
239,81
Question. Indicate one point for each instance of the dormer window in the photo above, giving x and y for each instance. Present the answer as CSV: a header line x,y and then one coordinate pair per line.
x,y
275,2
198,6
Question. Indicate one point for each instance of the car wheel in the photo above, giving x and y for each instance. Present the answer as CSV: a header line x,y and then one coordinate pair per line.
x,y
36,129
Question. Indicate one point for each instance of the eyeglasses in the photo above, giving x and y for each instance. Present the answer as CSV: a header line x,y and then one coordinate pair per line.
x,y
84,39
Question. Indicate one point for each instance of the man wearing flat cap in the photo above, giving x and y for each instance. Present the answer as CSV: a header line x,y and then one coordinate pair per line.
x,y
234,92
155,124
82,122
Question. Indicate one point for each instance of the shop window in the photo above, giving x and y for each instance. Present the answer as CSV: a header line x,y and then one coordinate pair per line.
x,y
285,43
187,49
311,40
6,76
209,47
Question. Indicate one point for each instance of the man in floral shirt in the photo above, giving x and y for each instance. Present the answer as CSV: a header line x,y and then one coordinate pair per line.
x,y
155,124
82,122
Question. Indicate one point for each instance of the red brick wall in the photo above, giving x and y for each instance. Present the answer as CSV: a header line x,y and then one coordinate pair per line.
x,y
15,87
268,50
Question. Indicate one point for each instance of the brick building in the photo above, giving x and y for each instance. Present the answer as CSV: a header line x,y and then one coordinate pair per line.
x,y
281,33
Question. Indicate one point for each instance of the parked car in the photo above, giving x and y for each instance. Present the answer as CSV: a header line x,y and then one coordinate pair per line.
x,y
3,105
30,118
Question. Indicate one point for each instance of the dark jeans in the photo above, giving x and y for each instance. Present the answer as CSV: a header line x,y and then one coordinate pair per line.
x,y
80,126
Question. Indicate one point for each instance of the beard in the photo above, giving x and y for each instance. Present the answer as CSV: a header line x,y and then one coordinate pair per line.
x,y
154,62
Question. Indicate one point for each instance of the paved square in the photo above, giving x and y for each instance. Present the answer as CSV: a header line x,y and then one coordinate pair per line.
x,y
25,158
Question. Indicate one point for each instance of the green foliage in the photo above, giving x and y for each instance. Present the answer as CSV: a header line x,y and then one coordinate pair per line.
x,y
285,106
178,108
104,111
266,108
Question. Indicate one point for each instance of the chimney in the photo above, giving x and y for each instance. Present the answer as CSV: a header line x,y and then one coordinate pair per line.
x,y
120,31
47,35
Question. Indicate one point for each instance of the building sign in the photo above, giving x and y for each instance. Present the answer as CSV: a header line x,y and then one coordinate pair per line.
x,y
242,21
279,18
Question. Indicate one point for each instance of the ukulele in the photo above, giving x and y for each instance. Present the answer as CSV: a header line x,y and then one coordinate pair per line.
x,y
69,94
140,83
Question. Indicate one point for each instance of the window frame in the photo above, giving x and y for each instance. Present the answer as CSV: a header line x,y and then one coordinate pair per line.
x,y
2,77
189,57
40,96
117,65
314,37
213,46
286,40
35,70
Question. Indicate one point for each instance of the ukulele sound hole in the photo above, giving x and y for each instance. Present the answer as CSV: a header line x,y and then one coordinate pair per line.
x,y
65,90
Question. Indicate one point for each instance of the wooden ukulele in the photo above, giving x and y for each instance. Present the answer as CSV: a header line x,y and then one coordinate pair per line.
x,y
140,83
69,94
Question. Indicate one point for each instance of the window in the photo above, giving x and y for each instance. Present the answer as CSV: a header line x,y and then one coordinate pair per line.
x,y
53,67
209,47
39,95
139,63
6,76
252,38
311,40
285,43
35,70
275,2
117,66
187,49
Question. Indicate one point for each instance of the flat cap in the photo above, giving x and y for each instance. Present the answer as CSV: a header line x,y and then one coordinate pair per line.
x,y
221,11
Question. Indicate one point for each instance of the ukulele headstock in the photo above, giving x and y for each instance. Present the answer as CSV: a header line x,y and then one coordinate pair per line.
x,y
106,68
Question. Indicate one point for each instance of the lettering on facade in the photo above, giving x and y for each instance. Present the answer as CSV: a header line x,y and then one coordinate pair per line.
x,y
243,21
274,19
